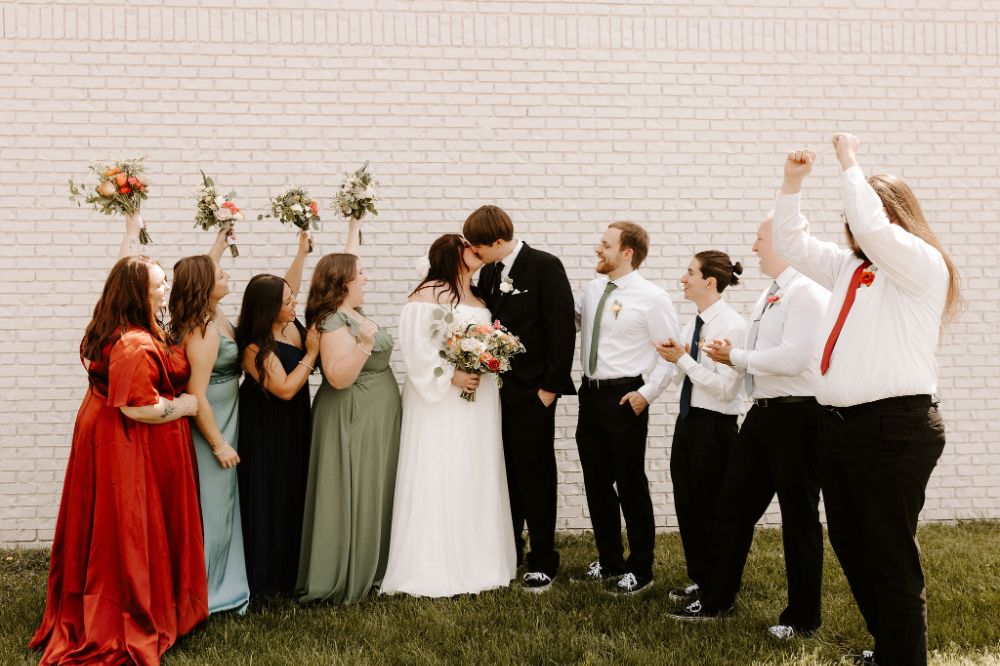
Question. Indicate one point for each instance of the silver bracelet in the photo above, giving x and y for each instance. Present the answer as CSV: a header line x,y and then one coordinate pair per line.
x,y
311,368
366,353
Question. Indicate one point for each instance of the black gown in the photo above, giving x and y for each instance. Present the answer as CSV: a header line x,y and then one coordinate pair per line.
x,y
275,438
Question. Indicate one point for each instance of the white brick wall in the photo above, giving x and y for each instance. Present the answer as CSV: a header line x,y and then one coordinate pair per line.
x,y
569,115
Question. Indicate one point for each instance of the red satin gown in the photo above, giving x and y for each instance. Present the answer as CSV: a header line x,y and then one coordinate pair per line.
x,y
127,575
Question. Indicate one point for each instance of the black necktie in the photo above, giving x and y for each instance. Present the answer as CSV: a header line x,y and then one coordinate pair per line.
x,y
497,278
686,388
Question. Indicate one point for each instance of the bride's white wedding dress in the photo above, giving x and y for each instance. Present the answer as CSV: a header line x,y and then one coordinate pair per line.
x,y
451,523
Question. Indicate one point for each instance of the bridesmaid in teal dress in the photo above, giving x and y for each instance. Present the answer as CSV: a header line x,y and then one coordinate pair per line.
x,y
207,336
355,440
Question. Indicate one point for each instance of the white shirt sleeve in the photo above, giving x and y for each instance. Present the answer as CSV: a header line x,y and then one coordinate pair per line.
x,y
800,338
578,309
910,262
821,261
420,353
661,324
718,379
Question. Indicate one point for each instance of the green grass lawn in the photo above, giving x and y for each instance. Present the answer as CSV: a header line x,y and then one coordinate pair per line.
x,y
575,622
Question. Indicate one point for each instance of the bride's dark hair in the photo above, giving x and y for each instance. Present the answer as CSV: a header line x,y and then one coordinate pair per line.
x,y
447,263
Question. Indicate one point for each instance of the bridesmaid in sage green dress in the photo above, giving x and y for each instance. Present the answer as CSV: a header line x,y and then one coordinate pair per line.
x,y
355,440
207,336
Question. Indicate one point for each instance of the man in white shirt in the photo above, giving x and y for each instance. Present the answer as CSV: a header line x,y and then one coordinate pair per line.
x,y
708,406
621,315
882,434
775,451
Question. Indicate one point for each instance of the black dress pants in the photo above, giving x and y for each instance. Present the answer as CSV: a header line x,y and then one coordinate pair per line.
x,y
875,461
529,430
611,439
698,457
775,452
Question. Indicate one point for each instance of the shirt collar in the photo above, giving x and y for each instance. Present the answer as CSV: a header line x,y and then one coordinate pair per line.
x,y
714,310
626,280
509,260
786,277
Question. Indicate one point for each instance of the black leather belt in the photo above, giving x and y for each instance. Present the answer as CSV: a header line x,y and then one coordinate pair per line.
x,y
782,400
617,382
907,401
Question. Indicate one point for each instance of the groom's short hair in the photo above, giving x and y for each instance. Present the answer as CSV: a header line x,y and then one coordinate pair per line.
x,y
635,238
486,225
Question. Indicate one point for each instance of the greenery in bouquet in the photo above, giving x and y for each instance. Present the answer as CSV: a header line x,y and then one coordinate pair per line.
x,y
293,205
214,210
357,195
120,189
475,348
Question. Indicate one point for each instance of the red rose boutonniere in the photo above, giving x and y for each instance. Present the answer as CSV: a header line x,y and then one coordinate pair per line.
x,y
868,276
773,299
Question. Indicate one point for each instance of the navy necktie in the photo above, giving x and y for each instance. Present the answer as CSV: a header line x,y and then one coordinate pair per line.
x,y
686,388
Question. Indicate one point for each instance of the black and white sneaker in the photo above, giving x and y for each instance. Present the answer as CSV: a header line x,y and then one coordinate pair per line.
x,y
865,658
596,572
631,584
693,612
536,582
684,593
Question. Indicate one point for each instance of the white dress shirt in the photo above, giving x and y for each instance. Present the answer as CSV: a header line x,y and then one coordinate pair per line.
x,y
785,359
636,315
715,386
888,342
509,260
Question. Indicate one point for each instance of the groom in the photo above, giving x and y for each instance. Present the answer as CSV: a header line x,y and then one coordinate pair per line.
x,y
527,290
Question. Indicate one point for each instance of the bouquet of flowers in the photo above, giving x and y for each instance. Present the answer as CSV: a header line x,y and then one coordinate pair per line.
x,y
293,205
215,210
357,195
475,348
121,188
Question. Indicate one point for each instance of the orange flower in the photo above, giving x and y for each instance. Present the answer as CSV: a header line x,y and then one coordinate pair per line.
x,y
314,207
121,179
108,173
133,181
125,189
106,188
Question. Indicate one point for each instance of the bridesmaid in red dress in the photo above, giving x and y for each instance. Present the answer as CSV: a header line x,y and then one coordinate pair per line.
x,y
127,575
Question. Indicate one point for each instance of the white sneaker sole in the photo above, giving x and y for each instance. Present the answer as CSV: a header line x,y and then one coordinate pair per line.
x,y
536,590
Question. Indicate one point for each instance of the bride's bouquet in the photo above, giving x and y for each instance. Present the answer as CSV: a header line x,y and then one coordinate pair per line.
x,y
215,210
476,348
121,188
293,205
357,196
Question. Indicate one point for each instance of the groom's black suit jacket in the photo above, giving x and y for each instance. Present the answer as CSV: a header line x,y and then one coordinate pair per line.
x,y
542,315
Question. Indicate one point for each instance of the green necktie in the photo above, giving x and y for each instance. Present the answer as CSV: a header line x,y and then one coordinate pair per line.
x,y
595,336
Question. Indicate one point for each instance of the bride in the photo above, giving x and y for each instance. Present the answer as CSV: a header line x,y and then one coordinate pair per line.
x,y
451,523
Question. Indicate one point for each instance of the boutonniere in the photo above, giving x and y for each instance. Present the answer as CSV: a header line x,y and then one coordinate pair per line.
x,y
868,276
616,307
772,300
506,285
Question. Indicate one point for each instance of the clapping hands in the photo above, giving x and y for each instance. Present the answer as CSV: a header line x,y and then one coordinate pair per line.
x,y
671,350
718,351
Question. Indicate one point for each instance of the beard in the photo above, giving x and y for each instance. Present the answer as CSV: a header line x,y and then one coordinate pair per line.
x,y
604,266
858,252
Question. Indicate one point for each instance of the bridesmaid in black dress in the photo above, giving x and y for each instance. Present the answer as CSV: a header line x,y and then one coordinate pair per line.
x,y
278,355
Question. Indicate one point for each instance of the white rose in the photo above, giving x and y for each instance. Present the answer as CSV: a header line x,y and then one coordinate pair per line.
x,y
470,345
223,215
297,208
219,200
506,287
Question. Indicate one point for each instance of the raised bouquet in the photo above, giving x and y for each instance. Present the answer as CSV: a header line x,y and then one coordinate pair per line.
x,y
475,348
121,188
215,210
293,205
357,195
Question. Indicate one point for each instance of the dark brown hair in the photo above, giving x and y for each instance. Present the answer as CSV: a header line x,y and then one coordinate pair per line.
x,y
190,303
261,306
329,285
124,302
718,265
904,209
488,224
447,261
633,237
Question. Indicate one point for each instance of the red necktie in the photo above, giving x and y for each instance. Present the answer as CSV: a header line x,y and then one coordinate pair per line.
x,y
852,289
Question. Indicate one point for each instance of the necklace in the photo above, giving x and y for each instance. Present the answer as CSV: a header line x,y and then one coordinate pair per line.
x,y
280,335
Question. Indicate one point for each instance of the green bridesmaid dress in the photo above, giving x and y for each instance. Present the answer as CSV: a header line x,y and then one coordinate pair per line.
x,y
352,476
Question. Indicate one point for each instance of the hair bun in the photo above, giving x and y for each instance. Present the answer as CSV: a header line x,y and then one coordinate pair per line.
x,y
737,268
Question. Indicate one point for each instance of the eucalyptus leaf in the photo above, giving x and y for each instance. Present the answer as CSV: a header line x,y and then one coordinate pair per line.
x,y
438,372
438,314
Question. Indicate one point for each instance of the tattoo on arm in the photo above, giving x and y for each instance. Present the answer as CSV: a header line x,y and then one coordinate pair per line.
x,y
169,410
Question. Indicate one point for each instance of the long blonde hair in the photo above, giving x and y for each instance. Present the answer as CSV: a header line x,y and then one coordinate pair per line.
x,y
903,209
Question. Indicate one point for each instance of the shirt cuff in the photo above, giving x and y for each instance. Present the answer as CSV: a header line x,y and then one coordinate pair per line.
x,y
686,363
647,392
740,358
